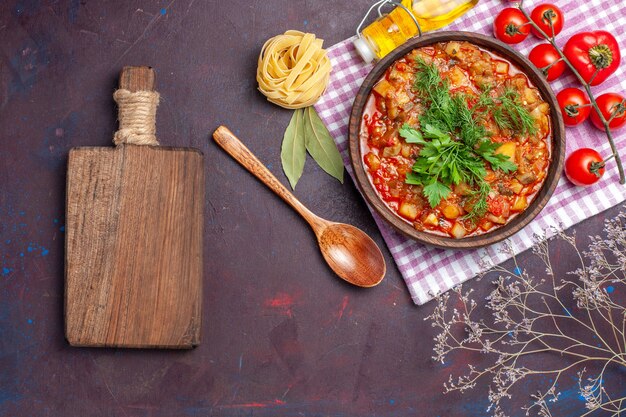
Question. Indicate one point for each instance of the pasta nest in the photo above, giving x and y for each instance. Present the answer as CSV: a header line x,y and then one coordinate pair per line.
x,y
293,69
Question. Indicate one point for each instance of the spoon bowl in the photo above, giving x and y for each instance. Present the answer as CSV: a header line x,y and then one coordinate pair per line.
x,y
351,253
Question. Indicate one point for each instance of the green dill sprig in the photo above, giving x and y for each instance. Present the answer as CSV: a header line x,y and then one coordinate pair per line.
x,y
507,111
427,77
444,111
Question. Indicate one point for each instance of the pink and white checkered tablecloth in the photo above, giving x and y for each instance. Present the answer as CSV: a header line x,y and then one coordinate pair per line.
x,y
429,271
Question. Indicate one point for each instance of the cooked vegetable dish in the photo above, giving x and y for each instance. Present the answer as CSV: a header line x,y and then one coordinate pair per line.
x,y
455,139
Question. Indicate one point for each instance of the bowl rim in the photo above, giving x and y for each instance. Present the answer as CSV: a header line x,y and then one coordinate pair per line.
x,y
557,142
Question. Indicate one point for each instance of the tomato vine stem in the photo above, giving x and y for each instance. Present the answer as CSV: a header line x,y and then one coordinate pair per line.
x,y
605,123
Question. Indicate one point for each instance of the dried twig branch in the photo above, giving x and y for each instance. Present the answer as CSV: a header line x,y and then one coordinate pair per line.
x,y
531,317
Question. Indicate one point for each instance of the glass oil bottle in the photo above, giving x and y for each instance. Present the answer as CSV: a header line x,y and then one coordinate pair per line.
x,y
409,18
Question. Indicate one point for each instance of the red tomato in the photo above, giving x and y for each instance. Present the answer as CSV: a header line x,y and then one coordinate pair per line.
x,y
612,105
584,167
595,55
511,26
547,59
574,105
549,18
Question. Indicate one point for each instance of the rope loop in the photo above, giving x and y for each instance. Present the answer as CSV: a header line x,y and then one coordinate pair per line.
x,y
137,117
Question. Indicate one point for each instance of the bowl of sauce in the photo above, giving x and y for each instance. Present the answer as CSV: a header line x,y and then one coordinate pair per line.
x,y
456,140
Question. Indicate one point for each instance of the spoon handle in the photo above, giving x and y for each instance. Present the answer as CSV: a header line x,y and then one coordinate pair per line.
x,y
235,148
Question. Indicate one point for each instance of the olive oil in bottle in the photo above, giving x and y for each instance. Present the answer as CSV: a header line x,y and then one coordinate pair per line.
x,y
393,29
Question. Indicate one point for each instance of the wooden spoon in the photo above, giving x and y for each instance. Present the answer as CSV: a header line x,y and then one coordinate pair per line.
x,y
352,254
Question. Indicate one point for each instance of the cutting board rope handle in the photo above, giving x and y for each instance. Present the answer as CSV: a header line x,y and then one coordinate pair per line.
x,y
137,104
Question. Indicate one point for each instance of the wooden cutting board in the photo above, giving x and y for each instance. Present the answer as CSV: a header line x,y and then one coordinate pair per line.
x,y
134,227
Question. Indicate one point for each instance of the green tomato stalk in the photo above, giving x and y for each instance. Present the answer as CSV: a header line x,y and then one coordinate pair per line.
x,y
594,104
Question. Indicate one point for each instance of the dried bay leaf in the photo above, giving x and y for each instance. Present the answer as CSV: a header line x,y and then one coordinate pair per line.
x,y
293,149
321,145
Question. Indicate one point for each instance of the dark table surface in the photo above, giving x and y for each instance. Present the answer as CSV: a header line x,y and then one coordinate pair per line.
x,y
282,336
